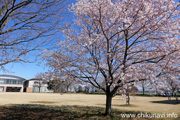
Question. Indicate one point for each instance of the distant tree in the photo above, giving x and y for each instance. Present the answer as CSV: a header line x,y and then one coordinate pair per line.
x,y
167,78
50,85
134,89
75,89
39,80
68,84
131,90
92,88
80,89
144,84
54,85
127,90
86,89
114,41
59,82
172,84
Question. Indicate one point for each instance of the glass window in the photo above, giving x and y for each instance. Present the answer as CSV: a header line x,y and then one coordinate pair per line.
x,y
44,82
13,89
36,82
1,81
1,88
7,81
14,81
11,81
19,82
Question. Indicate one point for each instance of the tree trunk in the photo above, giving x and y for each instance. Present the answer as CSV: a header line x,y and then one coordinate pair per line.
x,y
67,89
143,91
108,104
176,97
39,89
169,98
172,93
156,92
127,99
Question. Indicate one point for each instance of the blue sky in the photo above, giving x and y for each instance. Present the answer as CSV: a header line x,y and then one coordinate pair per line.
x,y
30,70
24,70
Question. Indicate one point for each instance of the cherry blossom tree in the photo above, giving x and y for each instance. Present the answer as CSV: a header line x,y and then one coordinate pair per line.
x,y
163,76
26,26
59,82
144,85
113,42
172,84
169,77
40,81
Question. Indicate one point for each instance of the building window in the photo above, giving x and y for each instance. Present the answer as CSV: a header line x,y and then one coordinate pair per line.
x,y
36,82
1,88
19,82
1,81
14,81
11,81
7,81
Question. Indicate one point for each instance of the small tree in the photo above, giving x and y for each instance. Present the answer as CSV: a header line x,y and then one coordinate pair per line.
x,y
80,89
50,85
68,83
39,78
127,90
144,84
59,82
167,79
86,89
114,41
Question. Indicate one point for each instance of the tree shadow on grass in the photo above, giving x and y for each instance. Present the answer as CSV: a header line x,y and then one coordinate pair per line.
x,y
173,102
44,112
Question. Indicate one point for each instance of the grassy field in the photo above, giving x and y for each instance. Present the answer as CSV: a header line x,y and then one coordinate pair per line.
x,y
80,106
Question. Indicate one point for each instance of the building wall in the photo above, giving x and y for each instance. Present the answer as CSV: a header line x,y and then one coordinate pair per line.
x,y
10,87
36,86
29,90
9,83
4,89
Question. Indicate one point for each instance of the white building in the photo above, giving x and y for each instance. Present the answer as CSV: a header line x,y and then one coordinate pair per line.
x,y
10,83
35,85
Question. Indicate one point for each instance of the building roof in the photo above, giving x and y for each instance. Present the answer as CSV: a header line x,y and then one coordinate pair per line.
x,y
36,79
12,77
